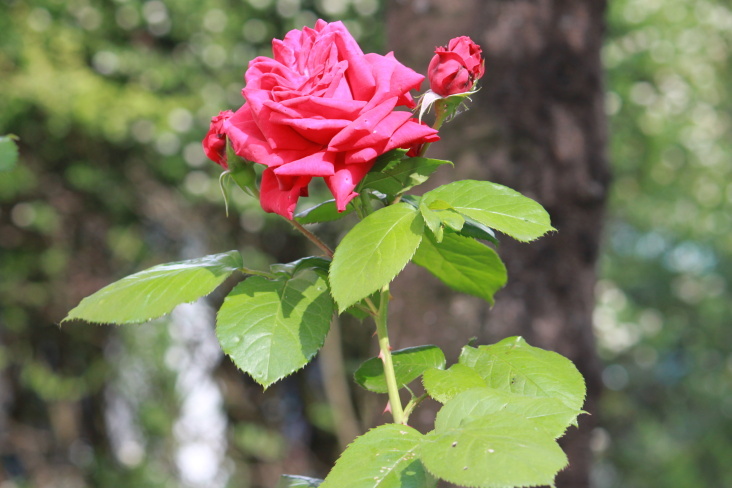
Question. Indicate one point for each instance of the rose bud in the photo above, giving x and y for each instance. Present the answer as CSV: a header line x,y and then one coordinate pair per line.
x,y
455,69
214,144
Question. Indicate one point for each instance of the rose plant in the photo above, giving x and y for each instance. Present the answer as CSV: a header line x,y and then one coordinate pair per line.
x,y
320,107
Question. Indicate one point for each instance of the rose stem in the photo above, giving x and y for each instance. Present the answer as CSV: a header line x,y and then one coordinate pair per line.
x,y
441,114
381,330
313,238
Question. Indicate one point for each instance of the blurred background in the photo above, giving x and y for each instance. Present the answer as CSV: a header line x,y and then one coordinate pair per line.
x,y
110,100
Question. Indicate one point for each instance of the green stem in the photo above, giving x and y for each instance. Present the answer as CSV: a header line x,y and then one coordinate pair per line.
x,y
441,114
312,237
381,331
256,272
412,405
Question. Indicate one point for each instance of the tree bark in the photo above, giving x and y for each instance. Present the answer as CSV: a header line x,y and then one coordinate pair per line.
x,y
537,125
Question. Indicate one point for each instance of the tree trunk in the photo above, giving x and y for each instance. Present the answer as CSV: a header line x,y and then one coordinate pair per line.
x,y
537,125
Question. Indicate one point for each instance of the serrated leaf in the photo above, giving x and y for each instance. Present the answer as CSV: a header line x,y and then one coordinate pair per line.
x,y
374,252
322,212
8,152
476,230
409,364
292,481
402,176
313,262
272,328
495,206
443,385
384,457
432,221
156,291
451,219
499,450
513,365
548,413
463,264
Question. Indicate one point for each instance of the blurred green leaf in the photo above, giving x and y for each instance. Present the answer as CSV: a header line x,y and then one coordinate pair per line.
x,y
156,291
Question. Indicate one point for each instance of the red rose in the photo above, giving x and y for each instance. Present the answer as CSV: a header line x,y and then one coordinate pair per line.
x,y
455,68
323,108
214,144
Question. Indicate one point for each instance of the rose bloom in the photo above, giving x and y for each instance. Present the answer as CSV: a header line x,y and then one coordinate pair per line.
x,y
455,68
321,107
214,144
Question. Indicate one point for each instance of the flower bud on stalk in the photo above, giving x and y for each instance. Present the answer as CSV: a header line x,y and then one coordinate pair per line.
x,y
454,69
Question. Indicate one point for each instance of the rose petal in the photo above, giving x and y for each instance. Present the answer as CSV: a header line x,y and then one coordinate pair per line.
x,y
280,195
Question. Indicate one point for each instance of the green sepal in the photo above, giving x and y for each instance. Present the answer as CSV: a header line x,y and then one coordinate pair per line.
x,y
241,171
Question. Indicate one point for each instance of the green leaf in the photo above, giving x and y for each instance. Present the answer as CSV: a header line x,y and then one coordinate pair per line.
x,y
310,262
374,252
548,413
409,364
156,291
463,264
514,366
397,178
499,450
432,221
291,481
322,212
384,457
476,230
443,385
272,328
8,152
495,206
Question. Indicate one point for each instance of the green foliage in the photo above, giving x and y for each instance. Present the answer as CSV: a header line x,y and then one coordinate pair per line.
x,y
374,252
156,291
444,385
494,206
8,152
322,212
400,175
548,413
290,481
272,328
493,451
409,364
514,366
463,264
384,457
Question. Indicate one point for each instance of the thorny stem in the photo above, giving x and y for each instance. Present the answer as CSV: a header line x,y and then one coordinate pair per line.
x,y
313,238
391,384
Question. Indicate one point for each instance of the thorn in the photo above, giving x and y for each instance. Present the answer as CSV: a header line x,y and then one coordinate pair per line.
x,y
388,408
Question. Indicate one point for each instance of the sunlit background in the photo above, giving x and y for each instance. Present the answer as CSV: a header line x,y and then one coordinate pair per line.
x,y
110,101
